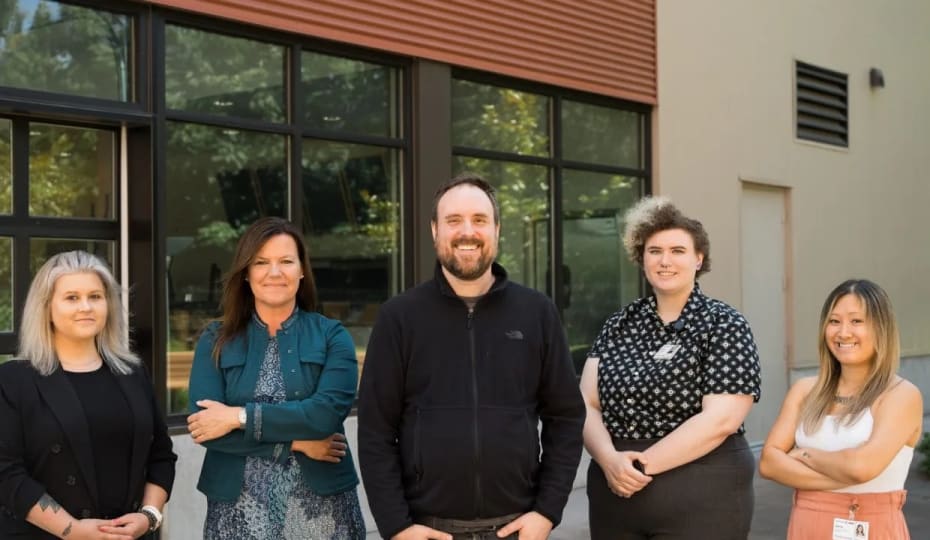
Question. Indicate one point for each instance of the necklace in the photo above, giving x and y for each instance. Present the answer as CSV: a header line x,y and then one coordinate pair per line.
x,y
843,400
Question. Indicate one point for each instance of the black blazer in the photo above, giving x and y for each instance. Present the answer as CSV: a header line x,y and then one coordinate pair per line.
x,y
45,446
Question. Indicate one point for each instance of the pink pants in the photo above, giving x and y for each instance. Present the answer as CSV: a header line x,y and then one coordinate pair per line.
x,y
814,511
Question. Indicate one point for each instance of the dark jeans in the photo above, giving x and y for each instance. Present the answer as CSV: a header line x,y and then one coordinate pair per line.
x,y
470,529
710,498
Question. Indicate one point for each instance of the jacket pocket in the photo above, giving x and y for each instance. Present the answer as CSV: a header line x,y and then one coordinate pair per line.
x,y
439,451
311,364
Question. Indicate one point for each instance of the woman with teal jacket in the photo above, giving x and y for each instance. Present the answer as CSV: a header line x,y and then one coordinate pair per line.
x,y
270,387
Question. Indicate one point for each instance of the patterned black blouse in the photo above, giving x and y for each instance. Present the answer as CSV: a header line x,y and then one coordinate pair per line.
x,y
645,397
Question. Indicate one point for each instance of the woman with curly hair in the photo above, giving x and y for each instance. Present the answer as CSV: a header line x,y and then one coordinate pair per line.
x,y
845,438
667,385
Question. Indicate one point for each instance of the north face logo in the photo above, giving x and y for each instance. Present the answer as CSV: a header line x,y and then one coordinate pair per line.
x,y
514,334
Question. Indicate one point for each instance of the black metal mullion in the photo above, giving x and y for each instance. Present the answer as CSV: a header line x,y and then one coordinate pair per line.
x,y
159,140
371,140
295,110
215,120
21,278
555,213
404,110
598,168
501,156
8,342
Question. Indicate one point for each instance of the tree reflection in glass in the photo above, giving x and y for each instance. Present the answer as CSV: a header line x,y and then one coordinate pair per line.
x,y
351,218
523,195
347,95
6,284
499,119
601,135
72,171
68,49
602,277
6,167
218,181
223,75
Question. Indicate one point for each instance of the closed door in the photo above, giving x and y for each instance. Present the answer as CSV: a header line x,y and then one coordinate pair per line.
x,y
764,293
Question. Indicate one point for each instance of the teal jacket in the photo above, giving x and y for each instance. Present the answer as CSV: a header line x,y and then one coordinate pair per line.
x,y
320,373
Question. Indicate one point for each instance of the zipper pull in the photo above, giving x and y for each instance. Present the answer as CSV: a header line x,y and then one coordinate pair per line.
x,y
471,317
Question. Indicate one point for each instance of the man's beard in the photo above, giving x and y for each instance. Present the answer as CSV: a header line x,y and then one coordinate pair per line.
x,y
475,269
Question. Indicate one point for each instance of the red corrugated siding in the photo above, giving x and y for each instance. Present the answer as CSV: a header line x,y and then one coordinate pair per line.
x,y
602,46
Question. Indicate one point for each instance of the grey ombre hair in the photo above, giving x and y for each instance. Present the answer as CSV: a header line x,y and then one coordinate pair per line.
x,y
36,339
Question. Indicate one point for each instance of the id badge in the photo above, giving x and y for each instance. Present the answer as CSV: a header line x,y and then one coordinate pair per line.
x,y
667,351
848,529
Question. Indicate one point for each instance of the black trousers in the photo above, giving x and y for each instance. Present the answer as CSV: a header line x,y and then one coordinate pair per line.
x,y
710,498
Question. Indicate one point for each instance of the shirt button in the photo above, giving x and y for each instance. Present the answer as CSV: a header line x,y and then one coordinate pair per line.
x,y
71,480
55,448
293,371
298,393
289,351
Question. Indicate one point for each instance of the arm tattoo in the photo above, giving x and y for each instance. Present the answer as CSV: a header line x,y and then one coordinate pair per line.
x,y
67,530
46,501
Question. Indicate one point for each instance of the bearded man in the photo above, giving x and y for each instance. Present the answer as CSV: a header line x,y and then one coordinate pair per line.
x,y
459,373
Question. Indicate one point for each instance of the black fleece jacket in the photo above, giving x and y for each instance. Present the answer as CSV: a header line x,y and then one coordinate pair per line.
x,y
450,403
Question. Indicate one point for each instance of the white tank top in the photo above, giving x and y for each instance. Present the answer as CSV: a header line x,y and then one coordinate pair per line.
x,y
832,437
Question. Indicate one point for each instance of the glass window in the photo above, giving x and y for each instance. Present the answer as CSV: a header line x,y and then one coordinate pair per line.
x,y
218,181
40,249
599,277
67,49
348,95
499,119
223,75
351,217
6,284
6,166
72,171
523,196
601,135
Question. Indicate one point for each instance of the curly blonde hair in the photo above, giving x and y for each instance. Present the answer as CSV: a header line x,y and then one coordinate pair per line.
x,y
656,214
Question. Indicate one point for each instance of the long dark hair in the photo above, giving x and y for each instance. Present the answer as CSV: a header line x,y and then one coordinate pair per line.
x,y
238,301
880,316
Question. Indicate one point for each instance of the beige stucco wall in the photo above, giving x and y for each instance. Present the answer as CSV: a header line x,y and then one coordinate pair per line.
x,y
726,115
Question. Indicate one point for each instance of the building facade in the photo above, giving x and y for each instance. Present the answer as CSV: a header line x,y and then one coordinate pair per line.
x,y
798,132
153,132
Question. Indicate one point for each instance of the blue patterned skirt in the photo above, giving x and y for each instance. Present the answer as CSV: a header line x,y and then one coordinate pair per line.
x,y
275,504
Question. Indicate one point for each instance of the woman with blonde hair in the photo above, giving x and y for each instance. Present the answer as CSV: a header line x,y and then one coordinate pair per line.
x,y
845,438
84,450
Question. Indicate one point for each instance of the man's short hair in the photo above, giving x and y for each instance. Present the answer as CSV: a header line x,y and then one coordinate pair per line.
x,y
472,179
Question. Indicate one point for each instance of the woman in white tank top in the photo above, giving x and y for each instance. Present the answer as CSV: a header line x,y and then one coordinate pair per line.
x,y
845,438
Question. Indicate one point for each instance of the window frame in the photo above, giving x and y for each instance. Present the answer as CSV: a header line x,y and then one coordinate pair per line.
x,y
291,127
555,162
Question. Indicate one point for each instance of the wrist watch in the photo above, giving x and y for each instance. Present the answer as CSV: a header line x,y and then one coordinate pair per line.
x,y
242,418
154,516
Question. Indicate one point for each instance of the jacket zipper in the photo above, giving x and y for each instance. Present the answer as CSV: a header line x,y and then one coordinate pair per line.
x,y
474,394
